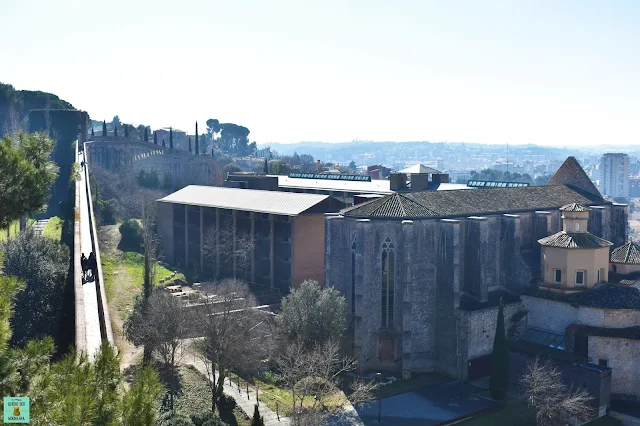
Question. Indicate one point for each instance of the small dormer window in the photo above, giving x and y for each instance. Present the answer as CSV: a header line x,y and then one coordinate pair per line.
x,y
557,276
579,277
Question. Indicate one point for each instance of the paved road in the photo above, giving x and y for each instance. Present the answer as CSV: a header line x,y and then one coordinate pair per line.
x,y
91,316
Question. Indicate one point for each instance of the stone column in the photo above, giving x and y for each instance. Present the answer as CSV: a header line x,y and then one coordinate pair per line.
x,y
253,250
217,243
186,237
272,247
407,300
447,296
201,238
541,225
234,223
478,258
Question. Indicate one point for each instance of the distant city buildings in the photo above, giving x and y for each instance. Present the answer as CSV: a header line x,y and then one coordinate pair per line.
x,y
614,175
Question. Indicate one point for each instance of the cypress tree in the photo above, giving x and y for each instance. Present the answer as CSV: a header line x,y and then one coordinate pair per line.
x,y
115,132
257,418
197,144
266,167
212,154
92,133
163,142
155,138
189,143
170,137
146,135
104,128
499,380
126,131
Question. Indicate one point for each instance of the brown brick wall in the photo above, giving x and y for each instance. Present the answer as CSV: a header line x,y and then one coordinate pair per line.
x,y
307,249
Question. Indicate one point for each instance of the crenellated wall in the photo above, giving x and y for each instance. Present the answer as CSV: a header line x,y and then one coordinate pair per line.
x,y
182,168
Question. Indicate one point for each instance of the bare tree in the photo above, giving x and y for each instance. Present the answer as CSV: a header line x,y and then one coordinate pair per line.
x,y
554,402
159,323
219,246
235,334
316,374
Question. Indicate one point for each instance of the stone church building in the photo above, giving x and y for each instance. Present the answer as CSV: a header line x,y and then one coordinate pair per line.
x,y
423,272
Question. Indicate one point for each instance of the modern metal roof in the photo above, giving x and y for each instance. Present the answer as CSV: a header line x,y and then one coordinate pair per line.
x,y
373,187
419,168
274,202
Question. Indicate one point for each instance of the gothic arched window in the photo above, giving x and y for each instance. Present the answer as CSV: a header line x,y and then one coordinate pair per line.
x,y
388,282
353,280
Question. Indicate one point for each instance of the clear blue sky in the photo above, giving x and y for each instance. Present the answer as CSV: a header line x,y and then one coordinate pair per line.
x,y
554,72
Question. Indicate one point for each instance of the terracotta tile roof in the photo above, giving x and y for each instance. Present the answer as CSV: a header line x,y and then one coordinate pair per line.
x,y
461,203
575,207
571,174
578,240
605,296
628,253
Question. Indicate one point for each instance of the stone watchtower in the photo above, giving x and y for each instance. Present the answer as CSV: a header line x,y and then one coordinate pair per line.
x,y
574,259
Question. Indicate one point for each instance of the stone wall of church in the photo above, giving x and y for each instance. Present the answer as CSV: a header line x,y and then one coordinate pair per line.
x,y
621,356
433,258
481,325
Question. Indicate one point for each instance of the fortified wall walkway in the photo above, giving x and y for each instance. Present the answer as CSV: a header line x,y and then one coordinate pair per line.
x,y
91,313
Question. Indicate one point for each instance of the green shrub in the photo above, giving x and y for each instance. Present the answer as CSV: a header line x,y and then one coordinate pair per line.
x,y
131,236
107,211
206,419
172,418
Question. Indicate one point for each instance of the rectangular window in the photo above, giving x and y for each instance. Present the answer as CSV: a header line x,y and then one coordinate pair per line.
x,y
598,275
577,227
579,277
557,276
603,363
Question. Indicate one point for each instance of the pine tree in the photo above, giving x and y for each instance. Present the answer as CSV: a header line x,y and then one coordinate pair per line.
x,y
499,380
197,144
257,418
155,138
104,128
170,138
189,143
146,135
126,130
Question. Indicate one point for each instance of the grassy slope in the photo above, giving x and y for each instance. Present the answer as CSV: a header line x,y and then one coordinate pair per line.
x,y
53,229
124,275
195,395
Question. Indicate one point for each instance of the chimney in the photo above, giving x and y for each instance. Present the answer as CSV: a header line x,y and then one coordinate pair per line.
x,y
440,178
398,182
419,181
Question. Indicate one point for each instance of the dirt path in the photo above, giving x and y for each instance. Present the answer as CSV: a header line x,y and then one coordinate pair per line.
x,y
120,293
